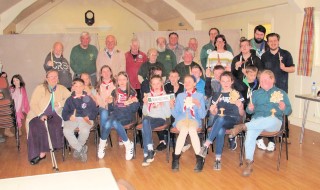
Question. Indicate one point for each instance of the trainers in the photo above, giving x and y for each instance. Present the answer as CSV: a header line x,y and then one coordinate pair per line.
x,y
162,146
233,143
217,165
261,144
101,151
271,147
76,154
129,151
150,157
203,151
186,147
83,153
144,162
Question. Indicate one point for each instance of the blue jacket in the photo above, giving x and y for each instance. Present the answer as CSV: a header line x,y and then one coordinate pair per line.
x,y
179,114
84,106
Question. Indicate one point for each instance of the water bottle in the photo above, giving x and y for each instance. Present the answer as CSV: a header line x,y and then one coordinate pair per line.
x,y
314,89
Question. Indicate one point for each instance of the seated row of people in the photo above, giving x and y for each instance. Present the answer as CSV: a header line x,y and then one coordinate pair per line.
x,y
118,106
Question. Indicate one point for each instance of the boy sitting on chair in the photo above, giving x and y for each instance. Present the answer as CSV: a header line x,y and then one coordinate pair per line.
x,y
79,112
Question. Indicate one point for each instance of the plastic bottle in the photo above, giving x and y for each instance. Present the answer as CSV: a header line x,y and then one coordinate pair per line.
x,y
314,89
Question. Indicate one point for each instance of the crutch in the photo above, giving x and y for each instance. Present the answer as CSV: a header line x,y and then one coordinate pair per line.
x,y
53,157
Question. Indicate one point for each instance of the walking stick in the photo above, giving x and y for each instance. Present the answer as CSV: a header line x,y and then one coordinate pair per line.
x,y
53,157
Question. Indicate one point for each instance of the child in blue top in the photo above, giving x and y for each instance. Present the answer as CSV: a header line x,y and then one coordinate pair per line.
x,y
188,111
197,73
122,111
79,111
227,108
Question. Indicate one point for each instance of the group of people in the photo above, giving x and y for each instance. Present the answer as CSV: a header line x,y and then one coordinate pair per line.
x,y
116,85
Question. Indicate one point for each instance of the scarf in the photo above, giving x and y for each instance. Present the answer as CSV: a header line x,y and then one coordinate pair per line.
x,y
106,84
152,93
52,90
249,92
185,107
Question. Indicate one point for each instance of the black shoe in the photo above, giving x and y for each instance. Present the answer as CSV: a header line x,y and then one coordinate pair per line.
x,y
199,164
161,146
150,157
175,162
233,143
36,160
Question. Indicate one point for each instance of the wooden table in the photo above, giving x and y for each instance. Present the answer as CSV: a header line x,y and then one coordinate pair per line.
x,y
97,179
307,98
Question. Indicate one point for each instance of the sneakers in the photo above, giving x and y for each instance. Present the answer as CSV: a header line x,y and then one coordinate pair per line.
x,y
129,151
233,143
144,162
83,154
186,147
121,143
217,165
271,147
261,144
203,151
101,150
150,157
162,146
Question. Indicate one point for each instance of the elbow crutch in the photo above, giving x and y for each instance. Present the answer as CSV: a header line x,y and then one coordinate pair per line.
x,y
53,157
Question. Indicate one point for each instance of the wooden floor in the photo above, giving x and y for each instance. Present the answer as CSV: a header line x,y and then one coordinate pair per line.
x,y
301,171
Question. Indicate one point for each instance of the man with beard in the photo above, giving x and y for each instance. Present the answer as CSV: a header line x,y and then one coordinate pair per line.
x,y
165,56
258,44
280,62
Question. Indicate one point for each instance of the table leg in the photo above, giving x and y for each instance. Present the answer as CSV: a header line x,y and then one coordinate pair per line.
x,y
304,118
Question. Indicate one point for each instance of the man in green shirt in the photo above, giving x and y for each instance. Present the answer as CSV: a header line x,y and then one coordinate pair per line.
x,y
83,58
165,56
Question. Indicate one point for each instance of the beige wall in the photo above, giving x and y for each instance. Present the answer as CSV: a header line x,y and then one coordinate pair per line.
x,y
68,17
173,24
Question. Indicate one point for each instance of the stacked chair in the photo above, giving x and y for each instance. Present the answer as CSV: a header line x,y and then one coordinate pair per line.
x,y
7,109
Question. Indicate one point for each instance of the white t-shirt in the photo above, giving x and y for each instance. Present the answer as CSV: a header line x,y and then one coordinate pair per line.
x,y
216,58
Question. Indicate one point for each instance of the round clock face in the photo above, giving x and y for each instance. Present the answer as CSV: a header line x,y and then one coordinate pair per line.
x,y
89,14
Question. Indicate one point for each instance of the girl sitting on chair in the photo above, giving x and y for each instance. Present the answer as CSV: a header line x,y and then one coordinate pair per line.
x,y
154,115
188,110
227,108
121,111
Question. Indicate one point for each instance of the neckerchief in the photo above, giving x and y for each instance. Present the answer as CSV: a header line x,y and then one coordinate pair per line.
x,y
191,109
106,84
52,90
152,93
249,92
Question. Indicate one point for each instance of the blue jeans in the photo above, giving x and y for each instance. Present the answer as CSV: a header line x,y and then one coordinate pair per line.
x,y
117,126
220,124
254,128
148,124
104,113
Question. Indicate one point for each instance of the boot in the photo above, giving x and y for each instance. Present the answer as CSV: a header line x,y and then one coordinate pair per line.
x,y
248,169
237,129
175,162
8,133
199,164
